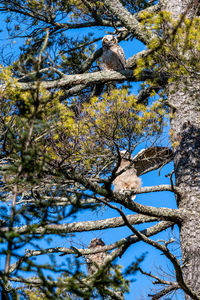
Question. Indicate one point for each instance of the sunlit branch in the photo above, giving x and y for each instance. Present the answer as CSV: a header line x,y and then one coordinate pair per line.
x,y
164,292
89,78
174,215
80,226
164,250
120,251
45,70
128,20
150,10
52,201
80,252
132,61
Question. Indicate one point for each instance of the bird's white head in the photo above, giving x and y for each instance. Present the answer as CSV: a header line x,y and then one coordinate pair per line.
x,y
125,154
109,40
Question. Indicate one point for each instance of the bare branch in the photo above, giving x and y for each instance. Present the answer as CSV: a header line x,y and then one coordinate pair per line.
x,y
10,228
132,239
164,250
89,78
56,201
174,215
158,279
45,70
80,226
164,292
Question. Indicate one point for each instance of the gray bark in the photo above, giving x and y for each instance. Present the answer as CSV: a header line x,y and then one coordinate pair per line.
x,y
186,131
184,97
177,7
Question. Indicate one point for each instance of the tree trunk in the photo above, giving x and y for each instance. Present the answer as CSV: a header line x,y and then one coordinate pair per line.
x,y
177,7
185,126
184,96
186,132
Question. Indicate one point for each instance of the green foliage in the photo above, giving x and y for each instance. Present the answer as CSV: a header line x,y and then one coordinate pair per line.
x,y
48,139
77,287
176,45
22,123
45,130
115,120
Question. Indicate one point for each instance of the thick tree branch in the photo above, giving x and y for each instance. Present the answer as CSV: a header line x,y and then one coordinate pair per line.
x,y
128,20
131,62
164,250
174,215
132,239
151,10
158,188
80,226
90,78
77,25
56,201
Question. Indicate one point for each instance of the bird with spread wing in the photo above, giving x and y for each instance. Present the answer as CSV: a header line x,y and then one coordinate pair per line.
x,y
130,168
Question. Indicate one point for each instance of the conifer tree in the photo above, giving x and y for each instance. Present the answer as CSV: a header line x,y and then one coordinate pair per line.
x,y
62,146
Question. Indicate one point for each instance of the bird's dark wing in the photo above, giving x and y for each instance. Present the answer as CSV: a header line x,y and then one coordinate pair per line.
x,y
151,158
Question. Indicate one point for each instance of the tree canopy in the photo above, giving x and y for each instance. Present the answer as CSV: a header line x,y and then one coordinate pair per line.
x,y
64,126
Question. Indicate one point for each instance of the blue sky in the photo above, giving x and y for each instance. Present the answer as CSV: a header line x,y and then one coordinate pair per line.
x,y
154,259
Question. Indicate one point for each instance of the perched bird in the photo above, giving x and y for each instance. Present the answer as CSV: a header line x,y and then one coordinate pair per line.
x,y
145,161
128,180
94,261
113,57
